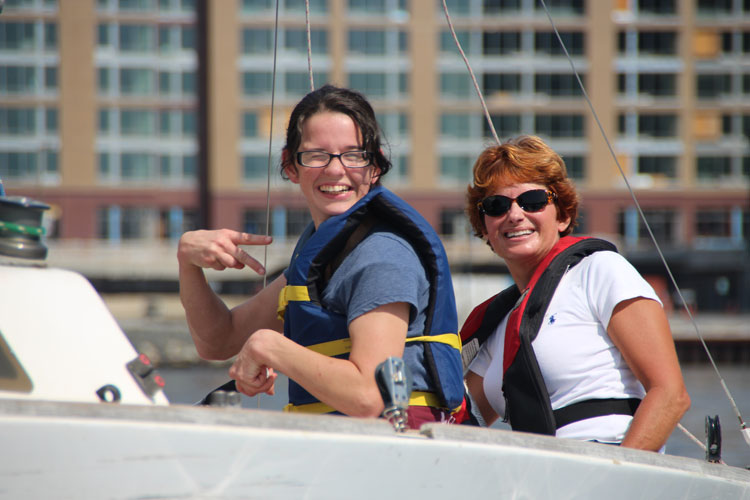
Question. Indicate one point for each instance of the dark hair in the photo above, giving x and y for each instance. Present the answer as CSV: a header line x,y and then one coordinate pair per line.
x,y
525,159
339,100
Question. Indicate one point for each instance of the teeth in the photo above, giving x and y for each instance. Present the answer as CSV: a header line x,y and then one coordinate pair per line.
x,y
518,233
334,189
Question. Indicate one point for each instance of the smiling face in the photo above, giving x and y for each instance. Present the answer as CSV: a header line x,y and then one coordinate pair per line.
x,y
333,189
522,238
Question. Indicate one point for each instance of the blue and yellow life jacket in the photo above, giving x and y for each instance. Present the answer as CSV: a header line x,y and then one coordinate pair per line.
x,y
309,324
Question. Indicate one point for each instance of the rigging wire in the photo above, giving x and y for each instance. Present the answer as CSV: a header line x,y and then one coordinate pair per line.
x,y
743,426
309,45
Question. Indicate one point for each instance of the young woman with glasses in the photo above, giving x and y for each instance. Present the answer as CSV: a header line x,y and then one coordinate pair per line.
x,y
368,280
579,347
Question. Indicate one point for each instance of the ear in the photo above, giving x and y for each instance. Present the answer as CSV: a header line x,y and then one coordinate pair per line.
x,y
562,225
375,175
290,168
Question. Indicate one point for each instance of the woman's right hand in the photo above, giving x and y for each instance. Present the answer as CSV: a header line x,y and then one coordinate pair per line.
x,y
219,249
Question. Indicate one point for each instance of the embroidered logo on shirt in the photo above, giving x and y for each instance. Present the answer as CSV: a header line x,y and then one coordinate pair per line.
x,y
551,319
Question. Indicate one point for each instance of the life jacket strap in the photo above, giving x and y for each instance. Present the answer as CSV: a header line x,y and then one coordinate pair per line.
x,y
594,408
418,398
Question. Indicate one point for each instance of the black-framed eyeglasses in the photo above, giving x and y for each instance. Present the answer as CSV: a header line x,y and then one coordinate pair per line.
x,y
531,201
320,159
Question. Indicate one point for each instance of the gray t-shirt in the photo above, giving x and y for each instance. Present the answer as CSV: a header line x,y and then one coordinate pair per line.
x,y
382,269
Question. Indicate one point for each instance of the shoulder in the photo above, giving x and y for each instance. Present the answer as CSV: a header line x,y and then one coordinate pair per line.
x,y
383,245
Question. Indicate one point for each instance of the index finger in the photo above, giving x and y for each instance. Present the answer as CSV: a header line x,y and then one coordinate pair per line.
x,y
253,239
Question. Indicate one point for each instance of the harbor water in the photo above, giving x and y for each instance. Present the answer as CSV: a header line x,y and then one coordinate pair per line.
x,y
186,385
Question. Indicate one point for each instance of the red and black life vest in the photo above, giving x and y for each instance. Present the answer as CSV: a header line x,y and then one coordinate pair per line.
x,y
528,406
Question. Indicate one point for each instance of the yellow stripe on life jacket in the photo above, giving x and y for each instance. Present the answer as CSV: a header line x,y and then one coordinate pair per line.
x,y
291,292
343,346
418,398
450,339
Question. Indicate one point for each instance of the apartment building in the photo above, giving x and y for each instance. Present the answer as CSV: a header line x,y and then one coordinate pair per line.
x,y
110,113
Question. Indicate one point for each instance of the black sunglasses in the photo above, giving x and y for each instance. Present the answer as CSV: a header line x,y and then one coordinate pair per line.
x,y
530,201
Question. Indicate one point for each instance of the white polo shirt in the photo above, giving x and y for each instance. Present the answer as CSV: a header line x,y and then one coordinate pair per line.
x,y
576,356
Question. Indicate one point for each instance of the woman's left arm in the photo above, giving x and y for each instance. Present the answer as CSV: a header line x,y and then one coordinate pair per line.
x,y
640,330
348,385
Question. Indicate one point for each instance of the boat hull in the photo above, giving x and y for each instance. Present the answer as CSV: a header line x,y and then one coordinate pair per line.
x,y
82,450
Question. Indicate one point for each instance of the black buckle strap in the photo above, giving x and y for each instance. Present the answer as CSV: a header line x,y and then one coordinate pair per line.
x,y
595,408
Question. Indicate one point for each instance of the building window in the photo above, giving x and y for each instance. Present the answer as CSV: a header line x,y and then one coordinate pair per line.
x,y
558,85
562,7
299,6
576,167
393,125
297,83
50,78
187,83
295,40
657,7
501,43
714,7
367,42
657,126
448,44
657,43
257,5
370,84
547,43
257,41
657,84
17,121
18,166
254,168
714,223
51,120
714,167
17,36
256,83
500,83
137,167
455,169
454,223
138,122
499,6
136,81
137,38
187,37
660,166
505,125
17,79
663,224
254,221
455,85
559,126
297,219
367,6
249,124
714,85
455,125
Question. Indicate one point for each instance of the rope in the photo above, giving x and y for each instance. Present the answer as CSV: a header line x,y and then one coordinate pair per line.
x,y
471,73
270,142
309,44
